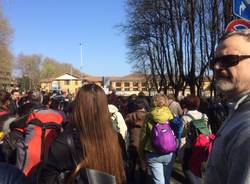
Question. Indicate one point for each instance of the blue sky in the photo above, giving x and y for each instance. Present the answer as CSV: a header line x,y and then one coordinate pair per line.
x,y
55,28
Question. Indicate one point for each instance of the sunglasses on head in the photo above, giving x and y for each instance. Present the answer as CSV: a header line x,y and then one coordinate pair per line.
x,y
227,60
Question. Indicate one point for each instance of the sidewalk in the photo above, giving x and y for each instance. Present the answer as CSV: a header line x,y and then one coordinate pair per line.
x,y
177,176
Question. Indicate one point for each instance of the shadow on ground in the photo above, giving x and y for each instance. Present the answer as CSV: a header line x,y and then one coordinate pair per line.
x,y
177,176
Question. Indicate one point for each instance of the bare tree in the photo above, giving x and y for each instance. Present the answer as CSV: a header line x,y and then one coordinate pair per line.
x,y
173,40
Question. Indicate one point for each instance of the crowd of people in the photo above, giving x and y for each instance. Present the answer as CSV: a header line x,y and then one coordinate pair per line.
x,y
99,138
100,124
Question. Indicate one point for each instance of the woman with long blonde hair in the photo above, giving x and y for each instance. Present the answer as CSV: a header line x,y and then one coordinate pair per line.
x,y
94,138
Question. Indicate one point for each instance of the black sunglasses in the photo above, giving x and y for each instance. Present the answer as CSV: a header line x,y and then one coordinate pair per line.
x,y
227,60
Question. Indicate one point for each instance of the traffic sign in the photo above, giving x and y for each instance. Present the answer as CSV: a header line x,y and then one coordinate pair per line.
x,y
238,24
241,8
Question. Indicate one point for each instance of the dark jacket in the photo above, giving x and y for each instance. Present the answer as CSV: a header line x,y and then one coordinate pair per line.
x,y
13,107
135,122
11,174
229,160
59,157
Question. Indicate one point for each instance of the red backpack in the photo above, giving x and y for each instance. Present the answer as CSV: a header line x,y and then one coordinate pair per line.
x,y
32,142
201,141
201,149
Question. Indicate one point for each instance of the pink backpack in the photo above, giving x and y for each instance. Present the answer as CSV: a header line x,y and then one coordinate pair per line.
x,y
163,138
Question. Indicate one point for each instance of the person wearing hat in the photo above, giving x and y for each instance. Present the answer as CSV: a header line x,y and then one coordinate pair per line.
x,y
229,160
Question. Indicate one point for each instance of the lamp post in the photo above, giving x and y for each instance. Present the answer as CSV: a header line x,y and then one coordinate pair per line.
x,y
81,66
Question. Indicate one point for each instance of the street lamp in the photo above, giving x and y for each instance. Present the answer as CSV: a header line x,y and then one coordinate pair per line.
x,y
81,66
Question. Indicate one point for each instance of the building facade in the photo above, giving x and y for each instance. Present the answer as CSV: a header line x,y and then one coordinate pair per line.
x,y
125,86
65,82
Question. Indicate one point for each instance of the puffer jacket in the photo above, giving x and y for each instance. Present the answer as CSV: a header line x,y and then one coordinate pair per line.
x,y
113,110
156,115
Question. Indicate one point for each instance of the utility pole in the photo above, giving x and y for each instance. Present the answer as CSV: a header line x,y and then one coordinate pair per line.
x,y
81,66
81,53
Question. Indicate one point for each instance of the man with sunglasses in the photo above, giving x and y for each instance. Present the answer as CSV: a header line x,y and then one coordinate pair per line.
x,y
229,161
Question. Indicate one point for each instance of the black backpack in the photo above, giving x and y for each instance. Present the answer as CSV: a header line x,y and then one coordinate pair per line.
x,y
84,175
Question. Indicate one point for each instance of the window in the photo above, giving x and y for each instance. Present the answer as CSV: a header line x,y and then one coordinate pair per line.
x,y
126,84
135,84
127,89
135,89
118,89
66,82
118,84
143,84
76,82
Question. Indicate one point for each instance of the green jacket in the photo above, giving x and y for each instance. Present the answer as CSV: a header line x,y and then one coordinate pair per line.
x,y
156,115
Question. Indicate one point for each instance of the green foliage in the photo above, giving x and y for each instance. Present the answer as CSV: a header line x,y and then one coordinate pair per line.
x,y
34,68
51,68
48,69
24,83
6,57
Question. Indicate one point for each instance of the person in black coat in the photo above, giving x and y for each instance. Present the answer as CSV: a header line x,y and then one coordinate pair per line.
x,y
94,138
11,175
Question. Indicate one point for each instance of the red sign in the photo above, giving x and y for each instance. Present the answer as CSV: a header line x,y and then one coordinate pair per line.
x,y
238,24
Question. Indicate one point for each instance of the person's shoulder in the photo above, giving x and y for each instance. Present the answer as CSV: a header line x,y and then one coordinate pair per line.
x,y
192,114
149,118
175,103
186,117
69,131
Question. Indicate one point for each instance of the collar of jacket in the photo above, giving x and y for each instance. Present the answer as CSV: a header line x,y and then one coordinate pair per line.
x,y
235,102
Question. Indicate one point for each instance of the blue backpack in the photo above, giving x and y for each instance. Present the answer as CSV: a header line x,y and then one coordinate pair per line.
x,y
177,126
163,138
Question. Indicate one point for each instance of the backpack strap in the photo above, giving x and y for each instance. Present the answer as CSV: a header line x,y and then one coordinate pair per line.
x,y
170,103
44,127
83,176
189,115
203,116
71,145
87,176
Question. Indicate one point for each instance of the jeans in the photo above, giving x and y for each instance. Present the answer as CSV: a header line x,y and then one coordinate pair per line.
x,y
160,165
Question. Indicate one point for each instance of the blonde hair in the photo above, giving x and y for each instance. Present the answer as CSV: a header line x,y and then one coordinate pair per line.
x,y
160,100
